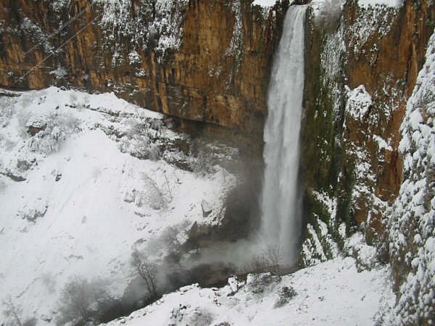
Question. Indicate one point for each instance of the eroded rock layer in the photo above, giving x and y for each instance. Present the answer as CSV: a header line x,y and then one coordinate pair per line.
x,y
204,61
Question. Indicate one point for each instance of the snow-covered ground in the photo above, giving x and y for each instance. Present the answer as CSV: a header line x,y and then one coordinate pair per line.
x,y
331,293
75,200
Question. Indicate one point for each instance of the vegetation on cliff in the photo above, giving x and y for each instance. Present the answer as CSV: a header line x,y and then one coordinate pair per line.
x,y
367,155
358,90
411,229
374,172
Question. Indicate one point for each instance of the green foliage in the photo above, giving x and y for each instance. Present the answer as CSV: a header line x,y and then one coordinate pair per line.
x,y
430,23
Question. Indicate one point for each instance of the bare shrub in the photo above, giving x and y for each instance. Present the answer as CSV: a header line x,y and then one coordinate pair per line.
x,y
13,313
185,315
154,195
49,133
285,294
201,162
82,302
329,15
270,260
173,237
259,283
147,271
256,264
274,257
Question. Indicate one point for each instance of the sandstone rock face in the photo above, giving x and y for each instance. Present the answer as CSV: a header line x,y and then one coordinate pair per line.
x,y
197,60
361,68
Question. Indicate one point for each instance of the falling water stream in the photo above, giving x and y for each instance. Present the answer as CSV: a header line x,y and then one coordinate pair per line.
x,y
280,203
281,200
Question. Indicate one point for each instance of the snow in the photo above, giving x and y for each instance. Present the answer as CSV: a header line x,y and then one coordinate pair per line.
x,y
60,5
412,227
326,8
156,25
38,35
358,102
264,3
382,143
320,3
374,3
60,72
236,43
76,199
82,201
320,7
326,5
332,293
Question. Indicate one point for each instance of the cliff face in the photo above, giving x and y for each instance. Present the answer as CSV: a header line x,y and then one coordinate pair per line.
x,y
362,65
197,60
367,156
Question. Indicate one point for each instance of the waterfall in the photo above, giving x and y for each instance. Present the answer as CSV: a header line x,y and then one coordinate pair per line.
x,y
281,203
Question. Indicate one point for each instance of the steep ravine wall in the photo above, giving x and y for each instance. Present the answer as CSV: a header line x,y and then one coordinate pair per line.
x,y
367,152
411,229
199,60
362,65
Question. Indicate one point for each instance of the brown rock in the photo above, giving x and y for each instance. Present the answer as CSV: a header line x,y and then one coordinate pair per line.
x,y
335,143
218,75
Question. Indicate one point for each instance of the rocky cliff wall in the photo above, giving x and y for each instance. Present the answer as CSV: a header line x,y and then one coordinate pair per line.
x,y
411,229
367,153
362,65
199,60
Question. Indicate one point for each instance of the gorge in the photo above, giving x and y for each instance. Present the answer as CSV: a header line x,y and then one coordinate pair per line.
x,y
366,132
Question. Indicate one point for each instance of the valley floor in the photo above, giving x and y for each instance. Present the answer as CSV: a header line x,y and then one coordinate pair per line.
x,y
331,293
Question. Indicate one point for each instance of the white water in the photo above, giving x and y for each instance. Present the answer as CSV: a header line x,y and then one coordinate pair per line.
x,y
281,204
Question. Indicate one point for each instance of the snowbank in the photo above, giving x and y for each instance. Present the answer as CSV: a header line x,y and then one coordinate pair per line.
x,y
264,3
332,293
374,3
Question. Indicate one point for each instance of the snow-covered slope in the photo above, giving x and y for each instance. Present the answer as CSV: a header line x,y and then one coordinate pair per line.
x,y
75,199
331,293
